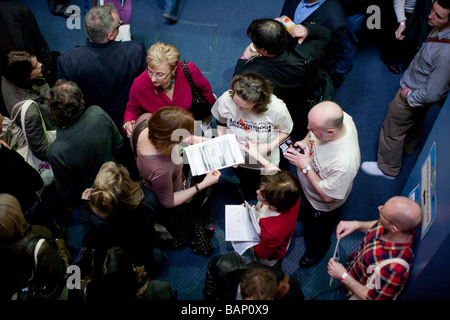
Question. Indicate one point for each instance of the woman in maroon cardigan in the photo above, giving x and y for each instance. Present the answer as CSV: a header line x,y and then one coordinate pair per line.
x,y
163,84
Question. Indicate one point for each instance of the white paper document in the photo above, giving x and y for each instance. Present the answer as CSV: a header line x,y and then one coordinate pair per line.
x,y
217,153
239,224
242,246
336,257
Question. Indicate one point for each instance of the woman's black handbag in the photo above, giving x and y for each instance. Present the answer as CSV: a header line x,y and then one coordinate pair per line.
x,y
200,108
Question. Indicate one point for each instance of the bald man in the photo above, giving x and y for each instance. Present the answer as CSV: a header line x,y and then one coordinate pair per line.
x,y
389,237
326,171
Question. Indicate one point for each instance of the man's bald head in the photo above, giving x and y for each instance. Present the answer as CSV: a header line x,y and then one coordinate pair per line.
x,y
403,212
325,120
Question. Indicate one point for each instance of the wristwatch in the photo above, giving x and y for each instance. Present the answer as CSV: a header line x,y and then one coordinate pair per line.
x,y
305,170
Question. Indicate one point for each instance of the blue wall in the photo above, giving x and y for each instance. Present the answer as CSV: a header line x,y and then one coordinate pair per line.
x,y
429,184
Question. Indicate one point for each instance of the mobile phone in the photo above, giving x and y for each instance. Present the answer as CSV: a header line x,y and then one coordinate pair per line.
x,y
289,143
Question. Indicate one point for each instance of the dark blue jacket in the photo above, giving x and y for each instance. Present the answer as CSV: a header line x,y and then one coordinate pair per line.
x,y
105,73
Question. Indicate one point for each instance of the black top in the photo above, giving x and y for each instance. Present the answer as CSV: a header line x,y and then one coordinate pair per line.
x,y
131,229
18,178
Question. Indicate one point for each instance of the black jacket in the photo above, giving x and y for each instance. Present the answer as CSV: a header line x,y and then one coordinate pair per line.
x,y
17,256
18,178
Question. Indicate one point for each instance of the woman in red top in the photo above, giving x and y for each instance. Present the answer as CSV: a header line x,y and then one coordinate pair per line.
x,y
163,84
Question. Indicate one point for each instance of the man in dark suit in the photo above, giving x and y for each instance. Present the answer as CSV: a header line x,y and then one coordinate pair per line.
x,y
104,69
327,13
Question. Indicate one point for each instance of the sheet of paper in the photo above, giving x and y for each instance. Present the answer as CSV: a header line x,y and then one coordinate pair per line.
x,y
336,257
242,246
253,214
217,153
238,224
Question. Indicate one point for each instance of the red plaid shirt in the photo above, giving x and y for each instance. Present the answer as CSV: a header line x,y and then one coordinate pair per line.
x,y
373,250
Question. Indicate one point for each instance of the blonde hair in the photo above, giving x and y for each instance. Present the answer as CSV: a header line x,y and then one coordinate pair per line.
x,y
114,188
160,53
11,217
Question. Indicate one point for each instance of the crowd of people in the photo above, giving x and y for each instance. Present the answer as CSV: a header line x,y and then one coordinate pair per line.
x,y
118,161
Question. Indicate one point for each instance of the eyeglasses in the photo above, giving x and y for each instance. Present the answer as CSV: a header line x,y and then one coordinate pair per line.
x,y
120,23
384,216
158,75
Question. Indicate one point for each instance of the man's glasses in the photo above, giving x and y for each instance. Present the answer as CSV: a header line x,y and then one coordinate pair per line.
x,y
158,75
120,23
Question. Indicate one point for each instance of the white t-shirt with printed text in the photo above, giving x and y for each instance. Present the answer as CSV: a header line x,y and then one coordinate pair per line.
x,y
337,163
262,128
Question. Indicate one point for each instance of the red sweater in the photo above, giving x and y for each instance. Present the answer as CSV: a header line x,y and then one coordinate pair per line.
x,y
145,97
276,232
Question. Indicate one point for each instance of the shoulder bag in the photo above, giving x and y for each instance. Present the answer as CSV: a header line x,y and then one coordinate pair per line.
x,y
29,290
12,134
200,108
42,167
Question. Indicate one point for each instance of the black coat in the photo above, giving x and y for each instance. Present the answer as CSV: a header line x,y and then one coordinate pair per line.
x,y
225,272
18,178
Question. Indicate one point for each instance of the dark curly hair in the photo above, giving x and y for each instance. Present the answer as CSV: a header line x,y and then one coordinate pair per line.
x,y
65,102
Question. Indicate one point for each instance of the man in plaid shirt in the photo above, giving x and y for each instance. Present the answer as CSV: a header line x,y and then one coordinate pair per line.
x,y
390,237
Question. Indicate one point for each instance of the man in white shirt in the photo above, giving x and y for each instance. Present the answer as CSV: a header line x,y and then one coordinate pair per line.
x,y
326,171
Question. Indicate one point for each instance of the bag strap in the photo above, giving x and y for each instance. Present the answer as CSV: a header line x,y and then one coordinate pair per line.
x,y
137,131
185,67
437,40
16,110
36,252
23,112
374,281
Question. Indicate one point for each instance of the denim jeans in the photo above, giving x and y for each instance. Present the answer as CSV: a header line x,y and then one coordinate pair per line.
x,y
354,26
169,6
337,293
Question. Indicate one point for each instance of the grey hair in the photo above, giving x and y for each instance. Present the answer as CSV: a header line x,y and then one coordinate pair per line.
x,y
99,22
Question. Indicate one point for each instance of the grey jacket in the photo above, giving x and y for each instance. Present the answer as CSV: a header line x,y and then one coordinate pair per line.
x,y
33,125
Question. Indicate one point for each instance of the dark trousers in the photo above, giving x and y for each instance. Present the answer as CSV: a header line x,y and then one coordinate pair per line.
x,y
318,228
249,182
